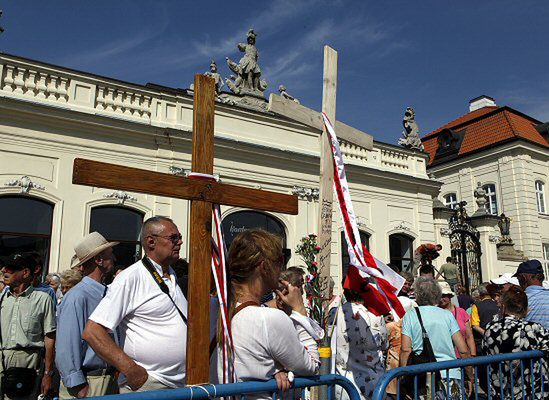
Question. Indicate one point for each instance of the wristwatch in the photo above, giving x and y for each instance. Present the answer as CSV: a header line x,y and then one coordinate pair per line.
x,y
48,373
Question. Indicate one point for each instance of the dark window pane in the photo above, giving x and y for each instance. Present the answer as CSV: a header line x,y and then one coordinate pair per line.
x,y
25,215
240,221
345,260
116,223
119,224
10,244
401,251
127,253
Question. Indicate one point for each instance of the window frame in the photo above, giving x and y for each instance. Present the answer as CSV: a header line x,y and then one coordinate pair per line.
x,y
344,248
540,196
451,204
398,260
492,197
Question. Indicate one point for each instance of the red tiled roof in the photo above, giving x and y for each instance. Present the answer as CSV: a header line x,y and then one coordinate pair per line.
x,y
486,127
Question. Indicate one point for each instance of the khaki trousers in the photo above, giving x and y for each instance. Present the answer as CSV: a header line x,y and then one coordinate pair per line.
x,y
98,386
150,384
24,359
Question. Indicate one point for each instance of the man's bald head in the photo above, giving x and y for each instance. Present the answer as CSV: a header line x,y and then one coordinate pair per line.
x,y
152,226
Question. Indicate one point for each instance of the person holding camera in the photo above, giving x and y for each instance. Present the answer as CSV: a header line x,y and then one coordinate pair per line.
x,y
27,333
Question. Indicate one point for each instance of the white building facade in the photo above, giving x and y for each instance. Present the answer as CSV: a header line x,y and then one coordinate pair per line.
x,y
51,115
508,154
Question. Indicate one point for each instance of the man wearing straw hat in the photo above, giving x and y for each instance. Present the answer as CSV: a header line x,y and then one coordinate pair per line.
x,y
149,309
83,373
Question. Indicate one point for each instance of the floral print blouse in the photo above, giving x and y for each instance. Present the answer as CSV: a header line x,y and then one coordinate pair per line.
x,y
361,342
511,334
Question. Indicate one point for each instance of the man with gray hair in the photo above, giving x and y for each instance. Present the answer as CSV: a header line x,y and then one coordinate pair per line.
x,y
150,311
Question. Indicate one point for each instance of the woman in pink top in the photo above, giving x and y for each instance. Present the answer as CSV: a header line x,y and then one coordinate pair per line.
x,y
460,315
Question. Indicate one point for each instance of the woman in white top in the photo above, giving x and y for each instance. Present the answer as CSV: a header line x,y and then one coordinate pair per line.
x,y
266,345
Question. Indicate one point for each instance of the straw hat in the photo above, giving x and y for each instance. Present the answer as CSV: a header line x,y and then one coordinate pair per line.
x,y
90,246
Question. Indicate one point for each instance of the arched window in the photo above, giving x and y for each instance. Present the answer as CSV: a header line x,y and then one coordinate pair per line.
x,y
492,203
450,201
364,237
401,251
25,225
540,196
121,225
240,221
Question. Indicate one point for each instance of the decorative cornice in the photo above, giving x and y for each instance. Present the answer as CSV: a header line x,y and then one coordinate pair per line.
x,y
121,196
305,193
25,183
402,227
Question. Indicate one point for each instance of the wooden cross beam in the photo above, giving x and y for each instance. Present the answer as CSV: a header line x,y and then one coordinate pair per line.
x,y
202,194
312,118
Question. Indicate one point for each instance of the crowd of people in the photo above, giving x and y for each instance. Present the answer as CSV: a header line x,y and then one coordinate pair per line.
x,y
97,329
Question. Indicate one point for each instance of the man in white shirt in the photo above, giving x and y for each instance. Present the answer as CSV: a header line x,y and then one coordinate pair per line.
x,y
152,324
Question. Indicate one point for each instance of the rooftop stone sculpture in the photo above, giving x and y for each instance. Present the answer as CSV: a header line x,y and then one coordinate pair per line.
x,y
410,136
248,72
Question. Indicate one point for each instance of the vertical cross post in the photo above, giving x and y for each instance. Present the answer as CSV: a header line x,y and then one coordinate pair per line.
x,y
326,168
200,233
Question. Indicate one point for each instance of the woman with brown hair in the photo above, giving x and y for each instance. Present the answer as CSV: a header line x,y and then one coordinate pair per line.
x,y
265,342
512,333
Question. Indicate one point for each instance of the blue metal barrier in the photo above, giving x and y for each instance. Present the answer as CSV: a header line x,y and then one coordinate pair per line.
x,y
210,391
504,387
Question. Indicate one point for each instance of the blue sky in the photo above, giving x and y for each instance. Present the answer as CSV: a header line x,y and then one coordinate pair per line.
x,y
432,55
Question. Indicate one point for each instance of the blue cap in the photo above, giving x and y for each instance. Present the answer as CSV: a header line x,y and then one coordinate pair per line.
x,y
529,267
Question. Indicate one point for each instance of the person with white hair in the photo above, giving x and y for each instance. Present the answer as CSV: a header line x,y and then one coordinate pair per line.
x,y
442,332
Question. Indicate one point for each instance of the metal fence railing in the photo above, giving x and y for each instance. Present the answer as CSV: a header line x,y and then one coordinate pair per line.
x,y
502,376
268,388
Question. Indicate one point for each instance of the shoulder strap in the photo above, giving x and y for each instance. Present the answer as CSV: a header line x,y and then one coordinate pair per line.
x,y
161,284
425,335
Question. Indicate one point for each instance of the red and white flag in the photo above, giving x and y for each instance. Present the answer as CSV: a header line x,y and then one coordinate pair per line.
x,y
376,283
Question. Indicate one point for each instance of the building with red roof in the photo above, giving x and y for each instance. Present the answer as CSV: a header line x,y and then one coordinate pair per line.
x,y
505,152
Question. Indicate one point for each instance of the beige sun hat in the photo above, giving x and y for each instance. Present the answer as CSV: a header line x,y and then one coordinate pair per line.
x,y
446,289
90,246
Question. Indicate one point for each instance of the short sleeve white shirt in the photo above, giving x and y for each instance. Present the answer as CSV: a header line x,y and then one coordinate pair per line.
x,y
152,332
265,341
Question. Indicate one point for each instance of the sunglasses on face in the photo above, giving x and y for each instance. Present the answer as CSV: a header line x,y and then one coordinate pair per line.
x,y
175,238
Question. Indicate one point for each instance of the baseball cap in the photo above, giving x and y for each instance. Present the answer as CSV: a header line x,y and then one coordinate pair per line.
x,y
20,261
529,267
505,278
446,289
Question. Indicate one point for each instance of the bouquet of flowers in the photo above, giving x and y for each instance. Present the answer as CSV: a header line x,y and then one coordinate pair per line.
x,y
308,249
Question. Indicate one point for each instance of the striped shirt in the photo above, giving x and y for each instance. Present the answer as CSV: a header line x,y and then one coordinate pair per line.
x,y
538,305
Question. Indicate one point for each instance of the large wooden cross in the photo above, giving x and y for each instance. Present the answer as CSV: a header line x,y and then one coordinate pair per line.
x,y
202,194
312,118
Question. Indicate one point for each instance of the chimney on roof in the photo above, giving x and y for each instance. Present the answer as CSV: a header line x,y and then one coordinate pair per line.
x,y
481,102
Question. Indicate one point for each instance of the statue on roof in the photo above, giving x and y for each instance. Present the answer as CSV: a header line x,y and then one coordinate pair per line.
x,y
216,76
248,72
410,136
285,94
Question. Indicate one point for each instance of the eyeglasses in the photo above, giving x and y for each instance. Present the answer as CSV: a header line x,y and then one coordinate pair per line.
x,y
172,238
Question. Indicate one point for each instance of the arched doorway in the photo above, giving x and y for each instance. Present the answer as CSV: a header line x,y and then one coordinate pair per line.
x,y
239,221
25,225
122,225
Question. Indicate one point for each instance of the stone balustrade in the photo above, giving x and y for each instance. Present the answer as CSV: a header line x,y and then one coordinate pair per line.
x,y
42,83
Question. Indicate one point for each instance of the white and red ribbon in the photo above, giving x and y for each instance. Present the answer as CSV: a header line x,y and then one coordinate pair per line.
x,y
377,283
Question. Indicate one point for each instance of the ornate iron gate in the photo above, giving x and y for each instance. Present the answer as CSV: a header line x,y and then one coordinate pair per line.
x,y
465,247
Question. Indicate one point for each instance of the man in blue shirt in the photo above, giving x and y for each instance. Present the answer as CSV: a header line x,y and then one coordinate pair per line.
x,y
530,276
83,373
37,280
